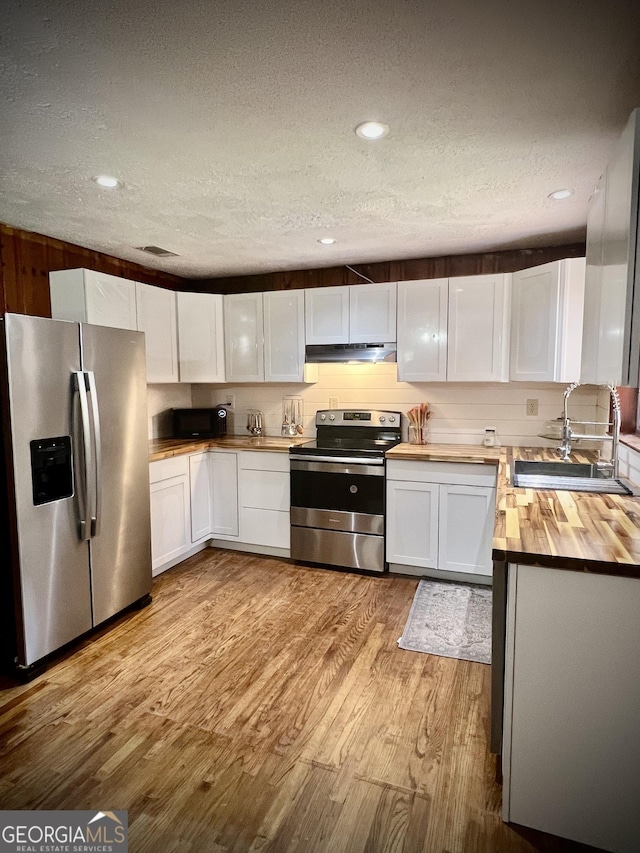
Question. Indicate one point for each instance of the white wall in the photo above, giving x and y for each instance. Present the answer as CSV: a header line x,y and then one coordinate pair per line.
x,y
461,411
162,398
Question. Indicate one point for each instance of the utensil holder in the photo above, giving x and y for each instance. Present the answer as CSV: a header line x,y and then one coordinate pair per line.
x,y
417,435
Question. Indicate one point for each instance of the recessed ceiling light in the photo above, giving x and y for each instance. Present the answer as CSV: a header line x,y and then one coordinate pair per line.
x,y
327,241
372,130
560,194
107,182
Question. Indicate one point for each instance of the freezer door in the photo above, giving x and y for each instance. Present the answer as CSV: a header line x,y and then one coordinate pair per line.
x,y
50,561
120,546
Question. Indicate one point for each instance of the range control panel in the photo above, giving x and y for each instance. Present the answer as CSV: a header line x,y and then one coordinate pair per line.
x,y
357,417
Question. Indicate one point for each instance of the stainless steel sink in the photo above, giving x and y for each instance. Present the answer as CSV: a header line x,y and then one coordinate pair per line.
x,y
567,476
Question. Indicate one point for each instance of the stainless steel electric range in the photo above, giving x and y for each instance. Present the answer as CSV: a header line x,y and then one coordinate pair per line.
x,y
338,489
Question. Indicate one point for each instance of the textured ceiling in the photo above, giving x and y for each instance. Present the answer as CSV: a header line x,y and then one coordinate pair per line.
x,y
231,122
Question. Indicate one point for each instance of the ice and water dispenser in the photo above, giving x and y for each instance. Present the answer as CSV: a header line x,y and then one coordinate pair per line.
x,y
51,472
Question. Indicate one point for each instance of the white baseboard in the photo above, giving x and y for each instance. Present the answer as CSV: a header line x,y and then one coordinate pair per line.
x,y
440,574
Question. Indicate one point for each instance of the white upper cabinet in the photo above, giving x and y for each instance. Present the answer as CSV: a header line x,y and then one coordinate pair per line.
x,y
264,337
156,317
243,344
200,337
327,315
357,314
422,330
86,296
372,313
546,322
611,340
284,336
478,329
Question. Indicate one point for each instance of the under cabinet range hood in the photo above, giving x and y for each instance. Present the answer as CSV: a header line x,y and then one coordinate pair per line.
x,y
319,353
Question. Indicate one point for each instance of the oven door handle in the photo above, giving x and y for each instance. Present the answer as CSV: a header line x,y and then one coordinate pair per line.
x,y
357,460
333,466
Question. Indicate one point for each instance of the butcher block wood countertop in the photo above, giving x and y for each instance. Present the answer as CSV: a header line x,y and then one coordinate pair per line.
x,y
567,530
446,453
164,448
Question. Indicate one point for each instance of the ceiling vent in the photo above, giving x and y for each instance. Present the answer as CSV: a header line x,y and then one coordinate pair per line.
x,y
158,251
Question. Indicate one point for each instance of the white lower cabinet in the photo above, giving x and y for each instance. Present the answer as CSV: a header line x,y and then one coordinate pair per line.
x,y
223,472
412,523
170,511
440,517
200,494
264,494
465,530
237,497
571,750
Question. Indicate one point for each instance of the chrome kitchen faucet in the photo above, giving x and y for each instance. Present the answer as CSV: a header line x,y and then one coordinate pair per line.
x,y
568,434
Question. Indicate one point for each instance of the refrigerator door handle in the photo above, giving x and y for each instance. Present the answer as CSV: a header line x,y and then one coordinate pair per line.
x,y
97,454
83,491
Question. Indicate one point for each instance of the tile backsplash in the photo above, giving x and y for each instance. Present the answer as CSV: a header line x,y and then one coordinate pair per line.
x,y
460,411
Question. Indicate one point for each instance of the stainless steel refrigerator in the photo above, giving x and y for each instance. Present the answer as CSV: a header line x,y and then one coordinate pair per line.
x,y
76,528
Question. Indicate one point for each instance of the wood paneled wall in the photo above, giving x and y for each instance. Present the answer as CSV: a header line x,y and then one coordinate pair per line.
x,y
418,268
26,259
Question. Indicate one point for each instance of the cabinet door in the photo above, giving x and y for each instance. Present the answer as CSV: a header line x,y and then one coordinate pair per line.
x,y
264,498
412,523
572,705
156,317
200,491
243,338
87,296
170,524
535,311
284,336
372,313
223,471
466,529
326,312
478,330
200,337
422,330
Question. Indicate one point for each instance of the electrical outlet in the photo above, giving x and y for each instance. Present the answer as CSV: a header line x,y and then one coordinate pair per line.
x,y
532,407
333,402
230,401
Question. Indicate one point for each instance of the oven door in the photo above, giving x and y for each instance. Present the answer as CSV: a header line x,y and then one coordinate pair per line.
x,y
337,513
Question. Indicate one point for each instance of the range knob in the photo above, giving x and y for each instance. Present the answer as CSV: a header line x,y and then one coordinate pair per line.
x,y
323,417
392,419
332,417
382,419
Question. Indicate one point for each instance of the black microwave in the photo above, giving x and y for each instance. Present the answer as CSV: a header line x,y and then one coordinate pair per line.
x,y
199,423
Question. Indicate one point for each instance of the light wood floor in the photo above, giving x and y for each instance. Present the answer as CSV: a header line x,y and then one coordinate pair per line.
x,y
257,705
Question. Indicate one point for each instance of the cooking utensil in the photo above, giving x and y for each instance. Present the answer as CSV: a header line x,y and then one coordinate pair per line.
x,y
255,422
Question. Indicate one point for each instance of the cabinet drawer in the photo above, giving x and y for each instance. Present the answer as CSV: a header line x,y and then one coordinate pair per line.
x,y
265,490
264,460
265,527
163,469
457,473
